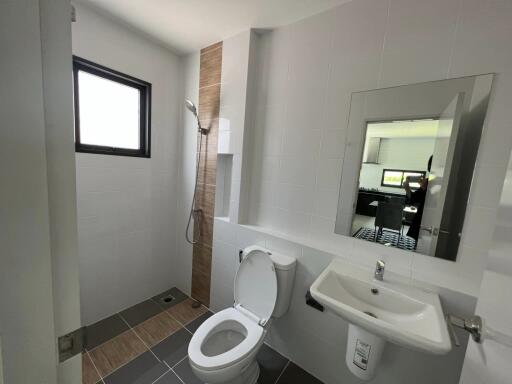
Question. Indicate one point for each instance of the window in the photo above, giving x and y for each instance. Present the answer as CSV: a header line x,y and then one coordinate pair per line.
x,y
112,111
396,177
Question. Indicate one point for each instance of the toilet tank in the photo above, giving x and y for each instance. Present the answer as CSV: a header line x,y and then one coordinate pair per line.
x,y
285,271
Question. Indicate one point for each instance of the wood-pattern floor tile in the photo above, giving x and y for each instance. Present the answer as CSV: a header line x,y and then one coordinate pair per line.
x,y
116,352
157,328
89,373
185,313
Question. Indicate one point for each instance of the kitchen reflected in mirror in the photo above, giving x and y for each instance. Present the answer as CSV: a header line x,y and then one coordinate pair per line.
x,y
409,162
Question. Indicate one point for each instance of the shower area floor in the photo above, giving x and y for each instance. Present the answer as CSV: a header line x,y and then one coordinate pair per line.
x,y
147,344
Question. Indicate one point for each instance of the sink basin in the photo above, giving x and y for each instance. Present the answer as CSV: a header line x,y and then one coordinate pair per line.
x,y
399,313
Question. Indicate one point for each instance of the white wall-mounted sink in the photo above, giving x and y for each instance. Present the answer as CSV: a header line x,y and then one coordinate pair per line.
x,y
399,313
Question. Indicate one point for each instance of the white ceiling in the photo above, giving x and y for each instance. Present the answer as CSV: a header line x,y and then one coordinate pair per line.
x,y
188,25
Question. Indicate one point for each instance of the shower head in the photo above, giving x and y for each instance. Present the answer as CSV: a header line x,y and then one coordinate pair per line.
x,y
191,106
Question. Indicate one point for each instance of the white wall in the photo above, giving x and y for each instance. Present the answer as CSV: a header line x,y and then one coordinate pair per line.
x,y
395,153
490,362
60,157
127,207
308,71
26,292
315,340
500,259
187,169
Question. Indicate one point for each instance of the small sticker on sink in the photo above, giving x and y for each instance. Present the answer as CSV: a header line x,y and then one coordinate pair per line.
x,y
362,354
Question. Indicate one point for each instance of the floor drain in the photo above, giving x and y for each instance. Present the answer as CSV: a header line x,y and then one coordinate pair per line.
x,y
371,314
167,299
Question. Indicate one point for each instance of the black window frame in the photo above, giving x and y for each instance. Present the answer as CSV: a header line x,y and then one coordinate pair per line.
x,y
404,171
81,64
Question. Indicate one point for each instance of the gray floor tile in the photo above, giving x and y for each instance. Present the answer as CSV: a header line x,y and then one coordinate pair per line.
x,y
193,325
169,378
293,374
175,293
104,330
140,312
174,348
184,371
271,364
145,369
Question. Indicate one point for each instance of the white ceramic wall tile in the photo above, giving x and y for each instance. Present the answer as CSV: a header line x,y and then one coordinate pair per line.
x,y
295,223
298,170
222,231
329,173
438,39
326,203
478,226
277,65
127,207
270,169
308,72
262,215
301,143
419,40
484,27
487,185
333,143
224,142
224,262
246,237
292,197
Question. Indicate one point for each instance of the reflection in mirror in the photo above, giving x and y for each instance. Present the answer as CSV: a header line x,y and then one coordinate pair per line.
x,y
393,181
409,164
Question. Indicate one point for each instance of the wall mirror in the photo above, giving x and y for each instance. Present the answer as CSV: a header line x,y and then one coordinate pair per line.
x,y
409,161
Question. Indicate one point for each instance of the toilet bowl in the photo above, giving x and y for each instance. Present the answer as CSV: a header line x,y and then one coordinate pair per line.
x,y
224,348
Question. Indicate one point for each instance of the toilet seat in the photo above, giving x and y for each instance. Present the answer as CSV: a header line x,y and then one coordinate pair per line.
x,y
253,337
224,347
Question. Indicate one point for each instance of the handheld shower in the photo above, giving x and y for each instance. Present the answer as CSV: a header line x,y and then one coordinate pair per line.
x,y
196,213
192,108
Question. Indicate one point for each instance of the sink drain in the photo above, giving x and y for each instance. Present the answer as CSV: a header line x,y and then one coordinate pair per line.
x,y
371,314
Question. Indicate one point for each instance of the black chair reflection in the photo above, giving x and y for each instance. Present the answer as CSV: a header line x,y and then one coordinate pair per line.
x,y
389,216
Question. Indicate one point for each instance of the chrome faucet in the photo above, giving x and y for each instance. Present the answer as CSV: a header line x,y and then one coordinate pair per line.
x,y
379,270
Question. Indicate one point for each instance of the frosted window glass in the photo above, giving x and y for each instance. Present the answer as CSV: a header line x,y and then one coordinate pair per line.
x,y
109,112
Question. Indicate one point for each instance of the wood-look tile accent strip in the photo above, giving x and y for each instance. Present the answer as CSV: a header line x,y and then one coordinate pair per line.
x,y
211,47
89,373
116,352
209,105
157,328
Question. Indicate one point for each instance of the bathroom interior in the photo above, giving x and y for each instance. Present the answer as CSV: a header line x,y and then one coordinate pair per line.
x,y
243,192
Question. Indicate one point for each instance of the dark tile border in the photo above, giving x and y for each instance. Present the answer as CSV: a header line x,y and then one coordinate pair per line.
x,y
172,351
184,371
174,348
293,374
140,312
144,369
104,330
169,378
271,363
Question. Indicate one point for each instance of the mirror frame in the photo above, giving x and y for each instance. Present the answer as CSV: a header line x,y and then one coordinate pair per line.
x,y
386,104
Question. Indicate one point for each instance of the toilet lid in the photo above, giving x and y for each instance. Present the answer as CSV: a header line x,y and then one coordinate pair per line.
x,y
256,284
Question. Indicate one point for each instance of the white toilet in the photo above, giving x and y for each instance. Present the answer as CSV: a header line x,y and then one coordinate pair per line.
x,y
224,348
